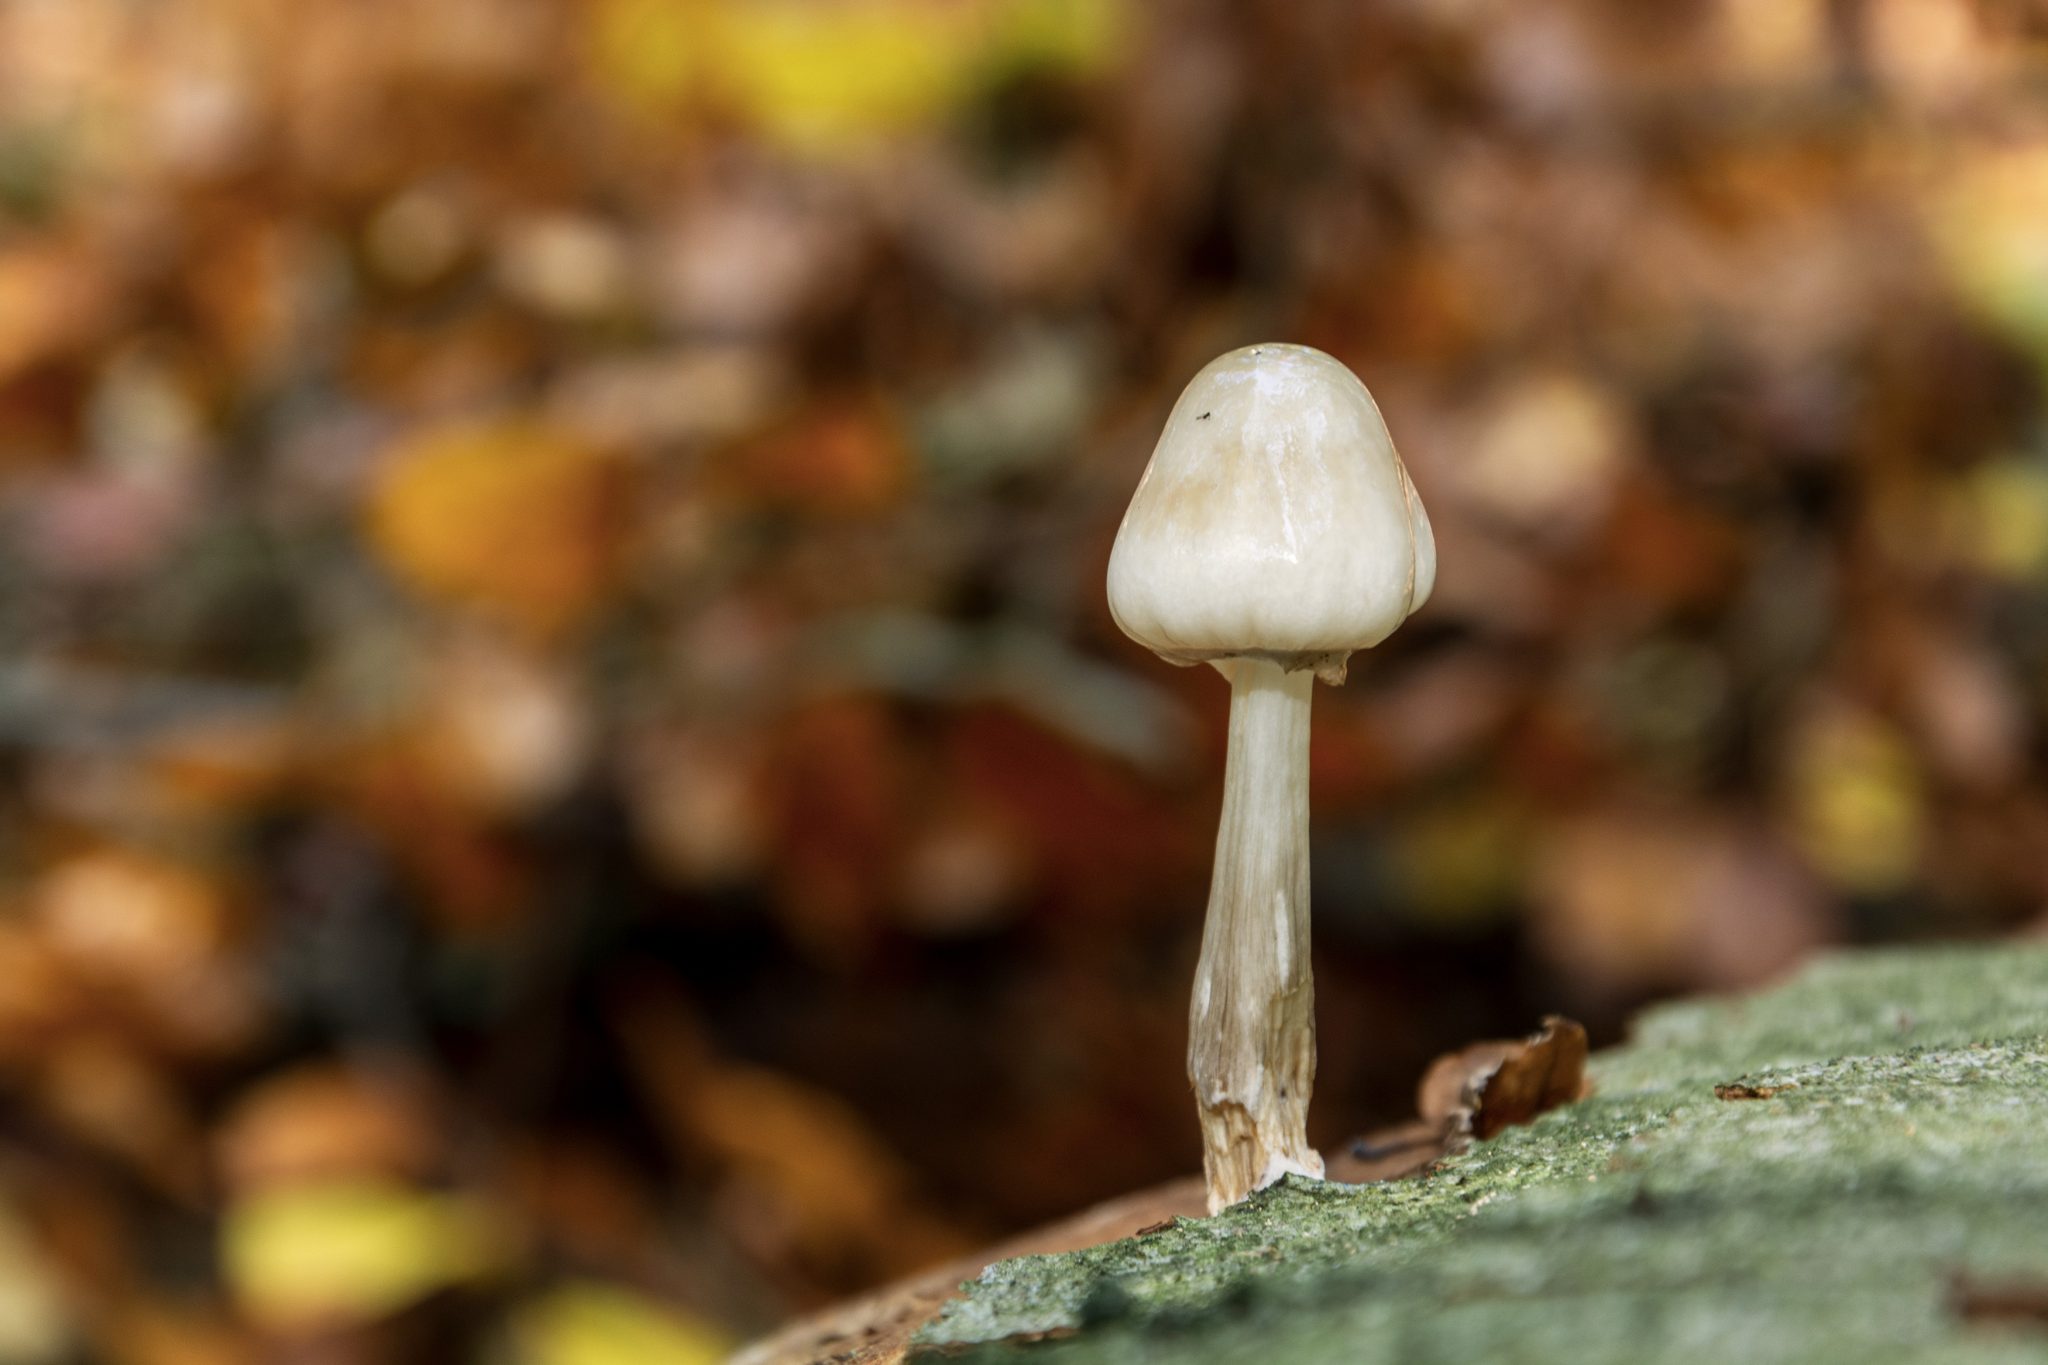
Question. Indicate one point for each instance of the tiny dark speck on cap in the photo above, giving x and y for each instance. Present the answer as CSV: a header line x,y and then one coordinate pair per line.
x,y
1203,418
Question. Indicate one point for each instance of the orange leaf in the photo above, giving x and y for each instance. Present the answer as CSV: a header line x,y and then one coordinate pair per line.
x,y
516,518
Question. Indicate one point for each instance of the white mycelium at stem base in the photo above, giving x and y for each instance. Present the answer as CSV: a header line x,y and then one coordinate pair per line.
x,y
1273,532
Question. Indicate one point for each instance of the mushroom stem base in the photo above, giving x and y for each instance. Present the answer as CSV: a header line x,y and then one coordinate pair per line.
x,y
1251,1026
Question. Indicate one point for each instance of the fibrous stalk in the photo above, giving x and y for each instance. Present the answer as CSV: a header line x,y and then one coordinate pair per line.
x,y
1251,1025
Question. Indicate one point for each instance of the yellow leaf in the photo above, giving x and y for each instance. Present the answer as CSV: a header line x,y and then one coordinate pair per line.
x,y
1987,222
827,76
1858,808
821,77
599,1324
349,1250
1079,36
34,1324
2005,506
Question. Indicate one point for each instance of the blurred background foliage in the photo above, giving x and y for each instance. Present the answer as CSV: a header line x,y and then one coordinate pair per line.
x,y
570,789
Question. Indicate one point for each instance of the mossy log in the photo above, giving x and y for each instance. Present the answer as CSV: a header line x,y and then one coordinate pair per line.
x,y
1852,1166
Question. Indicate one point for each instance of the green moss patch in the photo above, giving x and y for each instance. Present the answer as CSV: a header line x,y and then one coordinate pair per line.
x,y
1853,1166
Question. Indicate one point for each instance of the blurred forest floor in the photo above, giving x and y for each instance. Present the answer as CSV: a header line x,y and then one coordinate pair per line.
x,y
570,790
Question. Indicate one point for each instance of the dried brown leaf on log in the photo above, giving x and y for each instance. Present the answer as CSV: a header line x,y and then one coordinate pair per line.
x,y
1479,1090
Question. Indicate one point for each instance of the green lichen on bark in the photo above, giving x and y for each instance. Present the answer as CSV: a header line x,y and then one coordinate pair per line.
x,y
1894,1166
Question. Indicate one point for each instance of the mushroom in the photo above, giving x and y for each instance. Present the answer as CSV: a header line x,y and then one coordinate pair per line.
x,y
1273,532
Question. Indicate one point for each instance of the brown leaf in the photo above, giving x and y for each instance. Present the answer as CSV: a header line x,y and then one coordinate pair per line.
x,y
1483,1088
324,1122
805,1186
845,458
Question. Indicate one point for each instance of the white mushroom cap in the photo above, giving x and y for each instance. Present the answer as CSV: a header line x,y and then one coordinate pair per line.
x,y
1274,520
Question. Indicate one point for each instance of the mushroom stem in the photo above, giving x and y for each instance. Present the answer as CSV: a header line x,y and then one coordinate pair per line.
x,y
1251,1026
